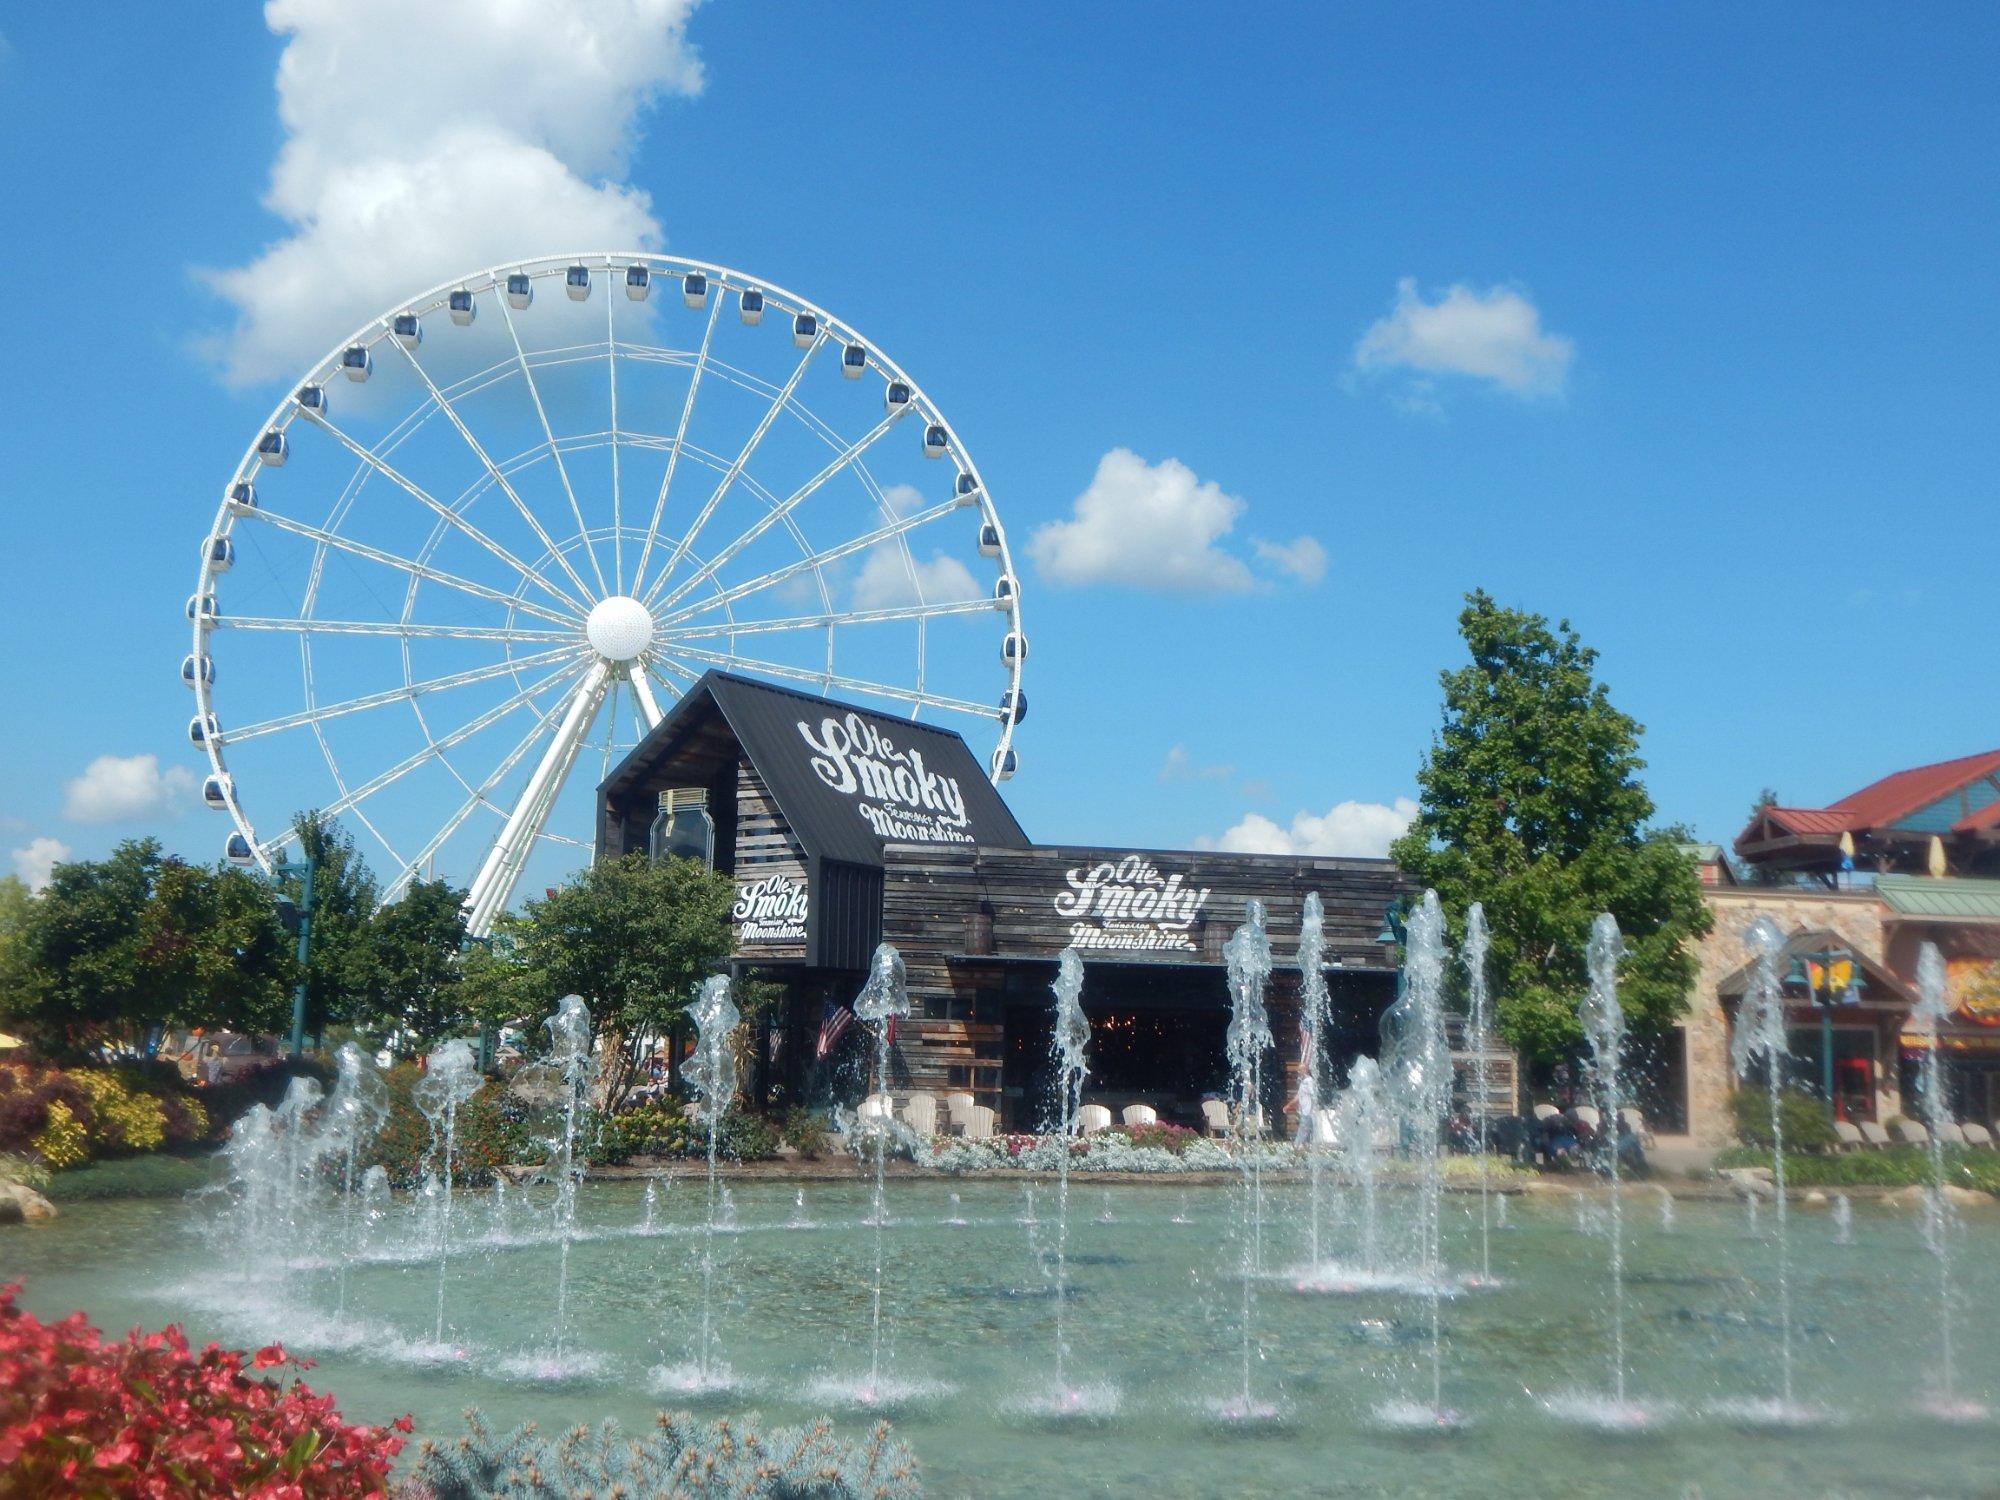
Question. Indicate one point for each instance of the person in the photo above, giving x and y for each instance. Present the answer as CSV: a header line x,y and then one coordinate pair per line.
x,y
1631,1148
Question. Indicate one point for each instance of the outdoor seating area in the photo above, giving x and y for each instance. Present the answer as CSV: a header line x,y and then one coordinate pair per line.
x,y
1867,1135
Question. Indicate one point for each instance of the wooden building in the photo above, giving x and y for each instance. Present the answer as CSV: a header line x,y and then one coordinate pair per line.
x,y
844,827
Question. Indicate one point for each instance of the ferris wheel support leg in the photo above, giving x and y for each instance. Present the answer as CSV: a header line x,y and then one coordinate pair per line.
x,y
497,876
642,689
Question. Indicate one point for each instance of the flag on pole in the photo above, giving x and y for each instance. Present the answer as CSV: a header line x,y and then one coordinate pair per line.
x,y
833,1023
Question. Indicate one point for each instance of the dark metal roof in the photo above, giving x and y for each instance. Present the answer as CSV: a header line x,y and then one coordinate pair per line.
x,y
847,779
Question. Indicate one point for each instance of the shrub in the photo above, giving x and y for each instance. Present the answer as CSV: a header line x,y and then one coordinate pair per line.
x,y
681,1459
1160,1137
492,1132
24,1170
145,1415
121,1118
805,1130
663,1129
63,1140
1807,1124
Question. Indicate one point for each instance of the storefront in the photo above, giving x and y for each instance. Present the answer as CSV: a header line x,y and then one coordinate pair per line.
x,y
845,827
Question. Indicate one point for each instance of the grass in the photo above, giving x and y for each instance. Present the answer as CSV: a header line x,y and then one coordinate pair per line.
x,y
160,1175
1894,1166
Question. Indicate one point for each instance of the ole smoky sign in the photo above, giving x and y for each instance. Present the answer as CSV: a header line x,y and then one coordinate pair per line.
x,y
1128,904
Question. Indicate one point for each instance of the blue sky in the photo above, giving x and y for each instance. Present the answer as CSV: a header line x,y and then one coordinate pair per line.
x,y
1678,324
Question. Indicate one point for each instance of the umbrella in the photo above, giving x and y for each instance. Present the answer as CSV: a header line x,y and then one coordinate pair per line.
x,y
9,1043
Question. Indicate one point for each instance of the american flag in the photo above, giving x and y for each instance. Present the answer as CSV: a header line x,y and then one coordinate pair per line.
x,y
833,1023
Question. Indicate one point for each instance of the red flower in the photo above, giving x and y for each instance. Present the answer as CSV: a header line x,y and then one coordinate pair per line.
x,y
270,1354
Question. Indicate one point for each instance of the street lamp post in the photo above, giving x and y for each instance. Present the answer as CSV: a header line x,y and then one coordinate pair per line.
x,y
1816,971
303,868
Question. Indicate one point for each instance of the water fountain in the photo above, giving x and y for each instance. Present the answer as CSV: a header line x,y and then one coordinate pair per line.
x,y
1362,1120
711,1072
1926,1017
1479,1026
956,1218
451,1076
1070,1036
1603,1021
1248,957
571,1064
1760,1039
1843,1220
883,1000
800,1218
1314,1005
1666,1213
355,1112
1417,1059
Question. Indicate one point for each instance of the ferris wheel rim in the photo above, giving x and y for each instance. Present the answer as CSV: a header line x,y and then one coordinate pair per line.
x,y
372,333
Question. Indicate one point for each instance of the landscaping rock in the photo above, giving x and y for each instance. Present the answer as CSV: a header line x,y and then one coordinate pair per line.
x,y
1956,1196
1816,1198
1751,1182
23,1205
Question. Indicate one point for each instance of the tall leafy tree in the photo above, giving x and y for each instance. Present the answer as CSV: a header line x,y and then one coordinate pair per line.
x,y
634,937
16,910
1532,803
83,951
341,982
216,955
417,973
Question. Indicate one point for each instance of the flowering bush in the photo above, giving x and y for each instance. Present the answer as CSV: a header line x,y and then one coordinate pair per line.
x,y
64,1140
146,1416
70,1117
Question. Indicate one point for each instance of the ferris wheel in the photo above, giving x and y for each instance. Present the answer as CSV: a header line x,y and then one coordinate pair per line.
x,y
492,536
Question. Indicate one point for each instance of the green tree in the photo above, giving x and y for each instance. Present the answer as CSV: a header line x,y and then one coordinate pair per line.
x,y
83,951
634,937
16,911
417,972
1532,803
215,953
341,983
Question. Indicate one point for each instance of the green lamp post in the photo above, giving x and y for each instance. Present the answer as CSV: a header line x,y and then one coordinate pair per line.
x,y
1814,972
297,915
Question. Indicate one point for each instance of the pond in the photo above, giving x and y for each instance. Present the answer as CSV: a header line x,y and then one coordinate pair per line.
x,y
1153,1321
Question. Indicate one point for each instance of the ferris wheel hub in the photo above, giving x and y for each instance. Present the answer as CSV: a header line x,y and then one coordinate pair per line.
x,y
619,628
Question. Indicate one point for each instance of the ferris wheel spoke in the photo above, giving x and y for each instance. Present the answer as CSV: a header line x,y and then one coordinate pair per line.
x,y
436,748
503,864
730,474
783,508
396,695
555,449
644,704
610,727
617,495
406,629
443,512
861,543
732,662
465,433
407,565
821,621
485,790
674,453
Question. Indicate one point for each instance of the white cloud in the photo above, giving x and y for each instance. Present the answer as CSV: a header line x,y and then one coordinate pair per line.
x,y
1302,558
427,139
885,582
1159,526
1357,829
125,788
1495,336
34,860
903,498
1180,766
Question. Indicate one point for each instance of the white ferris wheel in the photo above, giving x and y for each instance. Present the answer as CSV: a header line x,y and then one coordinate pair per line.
x,y
494,534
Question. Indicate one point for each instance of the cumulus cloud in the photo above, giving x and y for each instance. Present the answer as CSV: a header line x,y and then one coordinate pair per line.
x,y
1180,766
1302,558
34,860
1494,336
903,498
426,139
886,582
124,788
1356,829
1149,526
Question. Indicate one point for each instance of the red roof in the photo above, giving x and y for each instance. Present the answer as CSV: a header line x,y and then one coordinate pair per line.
x,y
1809,820
1881,803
